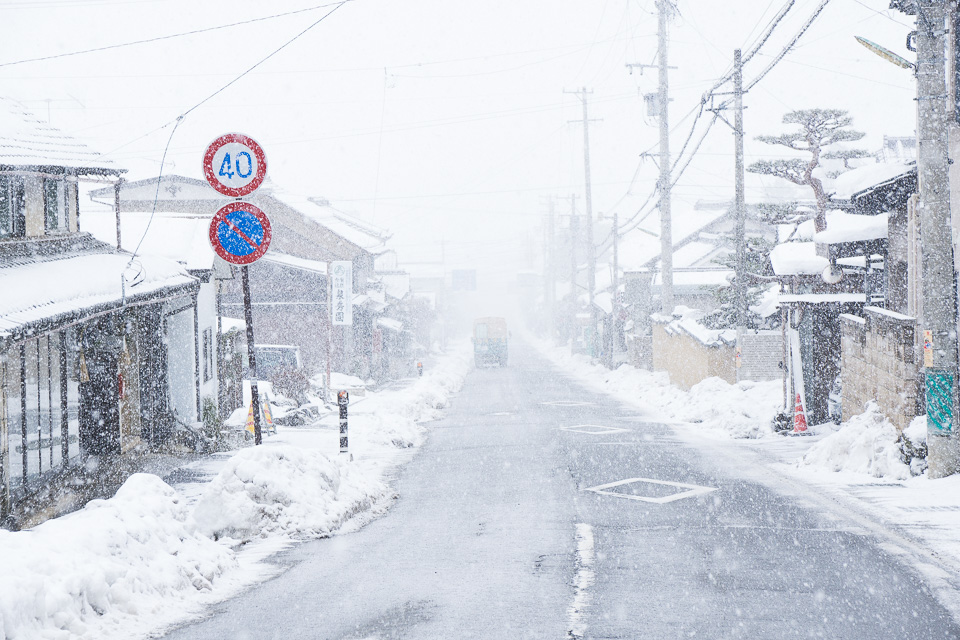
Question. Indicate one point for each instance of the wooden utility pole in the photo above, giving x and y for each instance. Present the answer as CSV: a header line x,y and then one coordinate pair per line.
x,y
574,294
939,321
666,236
591,249
740,210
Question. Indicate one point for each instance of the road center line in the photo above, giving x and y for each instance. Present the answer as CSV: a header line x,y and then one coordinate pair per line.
x,y
584,579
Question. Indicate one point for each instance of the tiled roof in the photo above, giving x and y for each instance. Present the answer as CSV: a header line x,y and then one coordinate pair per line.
x,y
27,141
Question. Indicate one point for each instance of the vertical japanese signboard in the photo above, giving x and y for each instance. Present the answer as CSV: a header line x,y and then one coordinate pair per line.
x,y
341,276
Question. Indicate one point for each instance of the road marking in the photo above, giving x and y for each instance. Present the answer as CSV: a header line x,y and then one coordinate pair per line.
x,y
500,413
692,490
585,578
594,429
566,403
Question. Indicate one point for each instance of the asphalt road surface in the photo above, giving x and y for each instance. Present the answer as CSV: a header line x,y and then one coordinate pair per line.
x,y
515,521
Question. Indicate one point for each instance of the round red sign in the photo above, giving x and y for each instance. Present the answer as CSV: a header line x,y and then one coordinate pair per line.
x,y
240,233
235,165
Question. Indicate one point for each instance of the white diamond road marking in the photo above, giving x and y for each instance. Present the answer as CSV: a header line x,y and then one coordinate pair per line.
x,y
566,403
692,490
594,429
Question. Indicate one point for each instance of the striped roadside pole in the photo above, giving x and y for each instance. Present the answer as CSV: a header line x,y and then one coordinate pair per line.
x,y
343,399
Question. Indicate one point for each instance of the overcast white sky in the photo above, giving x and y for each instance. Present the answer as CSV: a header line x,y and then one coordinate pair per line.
x,y
442,120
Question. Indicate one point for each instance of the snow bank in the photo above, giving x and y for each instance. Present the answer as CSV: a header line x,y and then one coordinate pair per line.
x,y
92,572
868,443
743,410
283,490
146,558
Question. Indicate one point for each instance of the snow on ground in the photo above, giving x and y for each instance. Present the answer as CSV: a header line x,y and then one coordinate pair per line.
x,y
155,555
743,410
853,471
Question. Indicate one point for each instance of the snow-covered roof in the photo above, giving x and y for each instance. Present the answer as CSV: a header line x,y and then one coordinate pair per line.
x,y
797,258
813,298
641,246
183,237
850,227
362,234
395,285
697,278
27,141
604,301
852,182
687,320
35,291
390,323
314,266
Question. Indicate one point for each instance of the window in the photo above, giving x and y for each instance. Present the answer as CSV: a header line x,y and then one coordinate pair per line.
x,y
12,213
208,351
54,205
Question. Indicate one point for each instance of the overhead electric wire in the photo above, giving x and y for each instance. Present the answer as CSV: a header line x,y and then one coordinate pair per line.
x,y
167,37
637,218
176,121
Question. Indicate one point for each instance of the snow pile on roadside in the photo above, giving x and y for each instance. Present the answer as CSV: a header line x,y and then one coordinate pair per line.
x,y
868,444
395,418
283,490
743,410
136,555
124,567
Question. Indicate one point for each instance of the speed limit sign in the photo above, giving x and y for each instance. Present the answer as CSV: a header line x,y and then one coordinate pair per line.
x,y
235,165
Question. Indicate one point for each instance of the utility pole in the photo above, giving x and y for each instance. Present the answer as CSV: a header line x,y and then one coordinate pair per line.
x,y
666,235
574,294
939,295
591,249
615,338
549,270
740,209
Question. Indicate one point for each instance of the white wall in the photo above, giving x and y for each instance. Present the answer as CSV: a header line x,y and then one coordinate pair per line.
x,y
207,309
180,365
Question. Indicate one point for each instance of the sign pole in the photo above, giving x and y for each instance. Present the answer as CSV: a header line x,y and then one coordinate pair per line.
x,y
251,357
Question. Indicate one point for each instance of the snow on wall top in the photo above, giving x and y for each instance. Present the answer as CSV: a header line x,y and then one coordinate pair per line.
x,y
51,288
27,141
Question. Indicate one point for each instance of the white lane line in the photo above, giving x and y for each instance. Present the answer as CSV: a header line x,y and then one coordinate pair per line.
x,y
594,429
691,490
566,403
584,579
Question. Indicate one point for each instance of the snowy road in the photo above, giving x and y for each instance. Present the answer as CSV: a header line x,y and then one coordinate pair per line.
x,y
514,522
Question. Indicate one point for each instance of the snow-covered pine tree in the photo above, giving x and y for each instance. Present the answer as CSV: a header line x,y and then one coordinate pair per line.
x,y
818,128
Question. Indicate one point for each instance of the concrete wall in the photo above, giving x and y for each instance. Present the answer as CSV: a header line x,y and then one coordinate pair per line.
x,y
880,361
688,360
761,354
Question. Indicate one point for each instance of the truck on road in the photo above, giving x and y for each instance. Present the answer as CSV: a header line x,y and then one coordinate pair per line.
x,y
490,341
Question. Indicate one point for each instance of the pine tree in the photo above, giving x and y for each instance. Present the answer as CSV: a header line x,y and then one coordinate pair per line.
x,y
818,128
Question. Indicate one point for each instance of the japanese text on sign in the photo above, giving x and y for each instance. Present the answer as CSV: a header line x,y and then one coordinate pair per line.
x,y
341,273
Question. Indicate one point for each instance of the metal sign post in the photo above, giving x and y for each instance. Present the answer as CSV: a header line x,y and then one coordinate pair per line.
x,y
240,233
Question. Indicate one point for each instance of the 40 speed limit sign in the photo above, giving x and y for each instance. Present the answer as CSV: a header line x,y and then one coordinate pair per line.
x,y
235,165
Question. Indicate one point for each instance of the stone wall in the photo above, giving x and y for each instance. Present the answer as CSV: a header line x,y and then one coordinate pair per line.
x,y
881,362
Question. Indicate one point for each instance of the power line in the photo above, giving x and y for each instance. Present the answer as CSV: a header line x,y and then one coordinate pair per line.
x,y
167,37
224,87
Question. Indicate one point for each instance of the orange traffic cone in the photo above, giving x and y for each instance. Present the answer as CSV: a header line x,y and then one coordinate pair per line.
x,y
799,419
